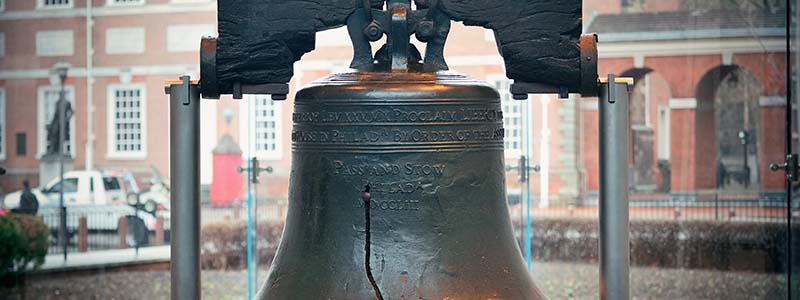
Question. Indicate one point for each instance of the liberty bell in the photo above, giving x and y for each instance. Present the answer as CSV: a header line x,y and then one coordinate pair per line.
x,y
397,187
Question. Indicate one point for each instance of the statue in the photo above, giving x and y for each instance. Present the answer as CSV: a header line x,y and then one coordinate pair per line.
x,y
54,146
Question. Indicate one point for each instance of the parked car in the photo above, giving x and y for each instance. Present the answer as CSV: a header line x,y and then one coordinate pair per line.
x,y
101,196
80,188
153,199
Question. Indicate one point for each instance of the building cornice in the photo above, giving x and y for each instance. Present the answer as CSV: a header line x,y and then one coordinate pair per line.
x,y
690,47
717,33
114,10
145,70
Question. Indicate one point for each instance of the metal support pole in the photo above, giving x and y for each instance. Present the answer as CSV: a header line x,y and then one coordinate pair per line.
x,y
62,126
184,128
614,240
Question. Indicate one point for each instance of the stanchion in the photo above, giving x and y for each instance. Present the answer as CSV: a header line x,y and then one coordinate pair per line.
x,y
184,129
614,239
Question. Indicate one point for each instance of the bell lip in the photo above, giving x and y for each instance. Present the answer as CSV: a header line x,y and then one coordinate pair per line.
x,y
397,86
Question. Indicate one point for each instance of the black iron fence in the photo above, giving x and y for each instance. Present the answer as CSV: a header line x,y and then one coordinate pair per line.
x,y
104,228
712,206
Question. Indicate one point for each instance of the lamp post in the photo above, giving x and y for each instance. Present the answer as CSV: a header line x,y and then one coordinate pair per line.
x,y
744,139
60,72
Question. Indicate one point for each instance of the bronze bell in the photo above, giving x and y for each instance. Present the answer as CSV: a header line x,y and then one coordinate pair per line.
x,y
426,152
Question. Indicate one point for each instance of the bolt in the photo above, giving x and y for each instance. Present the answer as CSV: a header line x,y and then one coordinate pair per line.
x,y
373,31
425,29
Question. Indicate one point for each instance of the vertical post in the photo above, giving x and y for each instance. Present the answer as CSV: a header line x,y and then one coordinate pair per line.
x,y
184,129
122,232
159,231
614,247
62,125
253,230
83,235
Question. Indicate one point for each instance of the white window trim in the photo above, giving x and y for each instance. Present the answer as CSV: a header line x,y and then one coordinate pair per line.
x,y
40,46
3,5
42,120
111,152
664,125
512,153
245,108
3,134
113,3
647,122
175,33
113,51
40,5
189,1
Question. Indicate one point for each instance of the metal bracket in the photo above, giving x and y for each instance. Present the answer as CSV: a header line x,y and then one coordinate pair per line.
x,y
520,90
186,87
612,92
522,165
790,166
254,169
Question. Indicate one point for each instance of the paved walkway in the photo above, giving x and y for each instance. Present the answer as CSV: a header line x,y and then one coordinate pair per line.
x,y
104,259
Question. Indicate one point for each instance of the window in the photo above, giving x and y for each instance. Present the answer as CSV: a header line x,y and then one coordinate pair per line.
x,y
46,110
186,38
264,126
55,43
111,184
125,40
512,117
2,5
22,141
125,2
126,121
2,124
70,186
55,4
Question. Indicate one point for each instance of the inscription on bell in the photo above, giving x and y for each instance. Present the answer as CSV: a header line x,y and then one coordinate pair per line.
x,y
341,168
390,204
399,116
397,135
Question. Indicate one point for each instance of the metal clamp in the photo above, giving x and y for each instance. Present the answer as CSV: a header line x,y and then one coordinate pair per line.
x,y
791,166
254,169
523,165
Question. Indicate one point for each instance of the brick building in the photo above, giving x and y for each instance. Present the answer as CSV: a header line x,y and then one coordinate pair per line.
x,y
121,110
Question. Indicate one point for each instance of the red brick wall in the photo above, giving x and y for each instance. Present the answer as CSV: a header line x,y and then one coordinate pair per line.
x,y
682,151
768,68
589,143
683,72
772,145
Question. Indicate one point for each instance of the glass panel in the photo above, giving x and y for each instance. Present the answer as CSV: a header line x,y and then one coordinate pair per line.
x,y
708,117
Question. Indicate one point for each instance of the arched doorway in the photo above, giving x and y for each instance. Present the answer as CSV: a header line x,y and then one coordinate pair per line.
x,y
648,157
728,126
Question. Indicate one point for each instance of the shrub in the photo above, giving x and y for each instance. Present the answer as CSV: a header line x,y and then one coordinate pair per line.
x,y
224,244
744,246
23,243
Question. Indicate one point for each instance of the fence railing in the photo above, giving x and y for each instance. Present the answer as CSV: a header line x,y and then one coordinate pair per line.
x,y
89,230
737,207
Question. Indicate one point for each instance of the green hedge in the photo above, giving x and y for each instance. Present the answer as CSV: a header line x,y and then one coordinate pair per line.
x,y
23,244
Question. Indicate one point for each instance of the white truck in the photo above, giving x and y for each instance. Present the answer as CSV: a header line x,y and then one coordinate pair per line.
x,y
103,197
